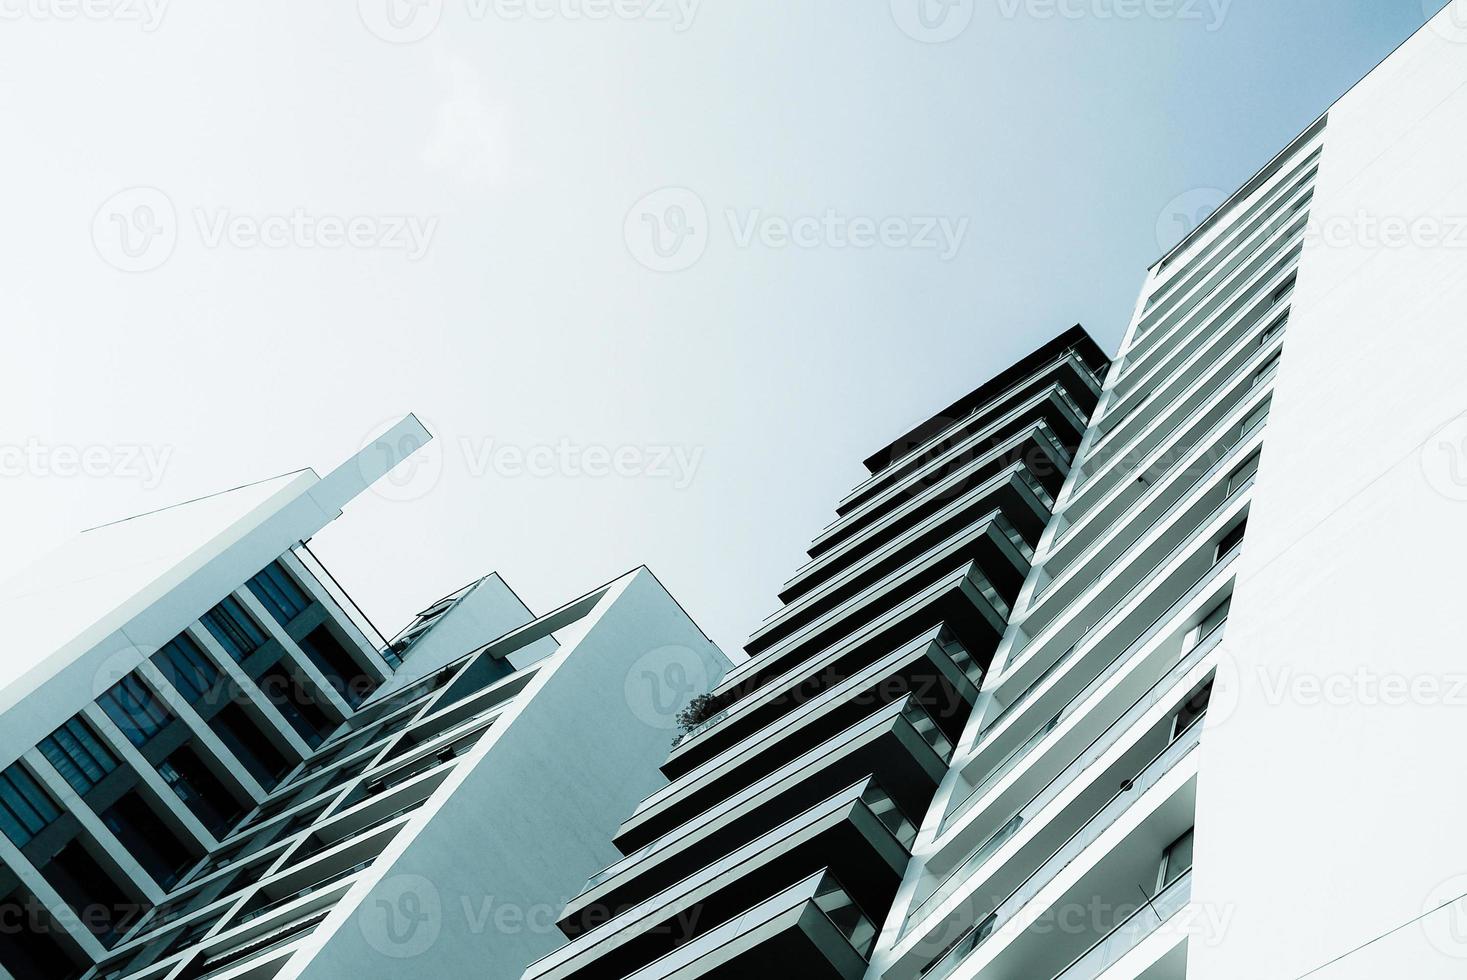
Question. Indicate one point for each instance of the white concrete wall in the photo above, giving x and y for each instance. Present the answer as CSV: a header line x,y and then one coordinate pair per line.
x,y
1332,792
527,817
487,612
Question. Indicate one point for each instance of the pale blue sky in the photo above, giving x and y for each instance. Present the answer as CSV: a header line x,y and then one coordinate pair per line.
x,y
353,228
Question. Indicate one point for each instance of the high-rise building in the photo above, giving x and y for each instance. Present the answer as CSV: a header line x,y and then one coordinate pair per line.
x,y
215,767
1097,618
796,799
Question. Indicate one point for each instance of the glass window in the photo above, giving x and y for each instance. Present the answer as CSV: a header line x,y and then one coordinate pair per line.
x,y
78,755
236,632
25,809
278,593
187,668
135,709
1176,861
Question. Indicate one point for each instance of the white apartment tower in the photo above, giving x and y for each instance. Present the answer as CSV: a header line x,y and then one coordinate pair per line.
x,y
215,768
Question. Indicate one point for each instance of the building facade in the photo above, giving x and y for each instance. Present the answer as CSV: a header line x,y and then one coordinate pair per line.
x,y
1180,725
216,768
783,837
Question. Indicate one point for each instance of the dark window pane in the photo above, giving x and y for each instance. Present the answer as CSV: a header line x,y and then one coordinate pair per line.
x,y
186,667
25,809
78,754
278,593
135,709
232,626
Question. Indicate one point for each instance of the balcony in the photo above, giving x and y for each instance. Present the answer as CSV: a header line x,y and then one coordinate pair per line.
x,y
1012,489
853,834
984,543
936,666
991,420
1007,926
652,871
961,598
812,929
1138,927
901,744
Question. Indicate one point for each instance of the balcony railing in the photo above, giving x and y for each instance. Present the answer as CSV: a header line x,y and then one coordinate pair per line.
x,y
1134,789
945,641
1147,579
1010,761
913,711
1054,787
1130,933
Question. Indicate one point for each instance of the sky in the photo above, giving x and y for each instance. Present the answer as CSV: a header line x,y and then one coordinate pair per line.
x,y
657,273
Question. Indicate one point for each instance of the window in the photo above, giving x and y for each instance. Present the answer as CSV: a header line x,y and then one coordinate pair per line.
x,y
1243,473
200,790
190,672
78,755
135,709
278,593
25,809
236,632
1266,369
1285,288
1230,541
1210,623
1176,861
1274,329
